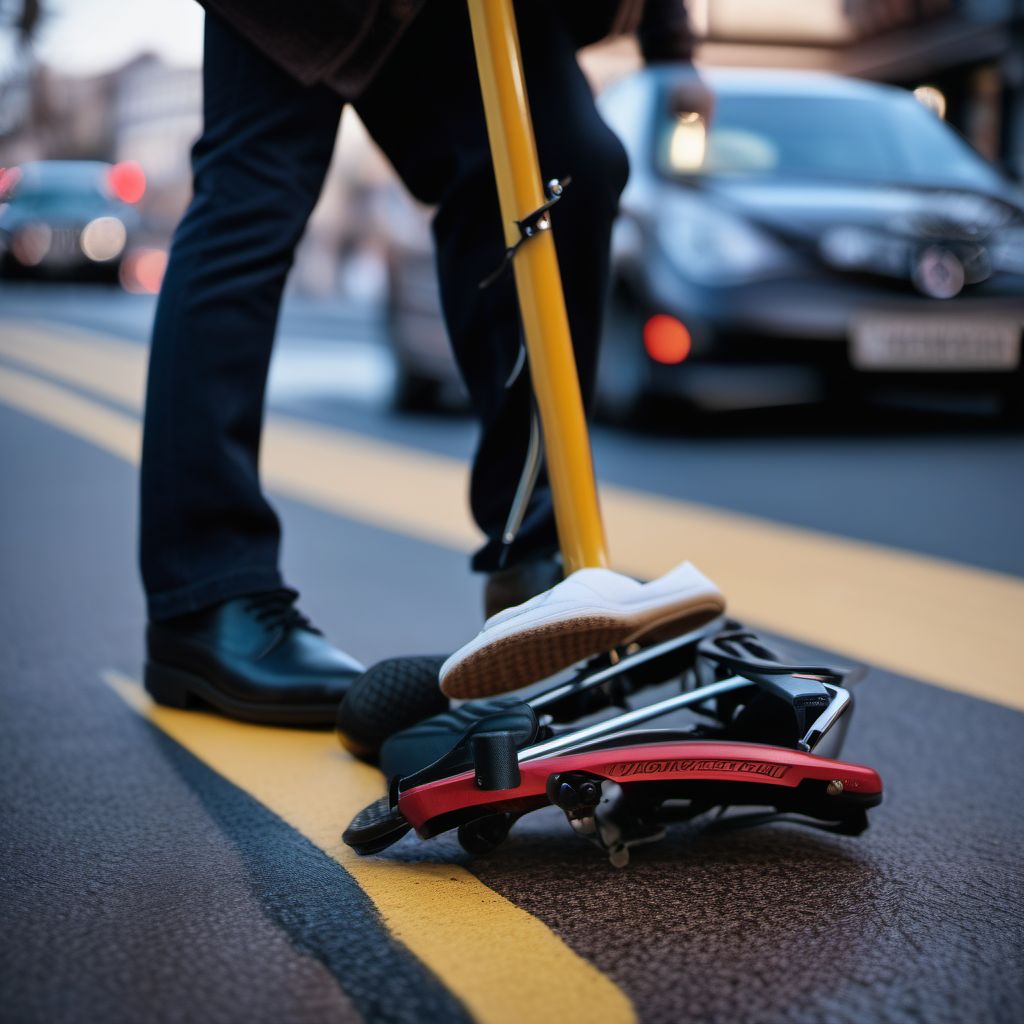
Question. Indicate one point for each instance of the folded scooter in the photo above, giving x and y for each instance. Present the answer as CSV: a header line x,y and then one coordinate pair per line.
x,y
636,737
735,726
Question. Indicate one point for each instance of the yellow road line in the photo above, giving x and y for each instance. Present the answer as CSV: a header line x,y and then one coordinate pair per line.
x,y
504,964
947,623
107,366
115,432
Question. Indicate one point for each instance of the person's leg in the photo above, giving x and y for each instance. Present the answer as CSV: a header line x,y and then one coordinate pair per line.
x,y
223,631
207,533
426,113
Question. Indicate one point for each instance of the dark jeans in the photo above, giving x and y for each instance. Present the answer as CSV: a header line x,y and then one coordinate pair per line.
x,y
207,531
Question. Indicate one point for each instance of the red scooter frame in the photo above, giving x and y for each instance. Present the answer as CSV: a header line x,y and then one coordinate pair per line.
x,y
427,807
434,807
760,720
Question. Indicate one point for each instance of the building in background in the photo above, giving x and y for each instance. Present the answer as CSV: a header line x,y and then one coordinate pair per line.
x,y
154,119
971,51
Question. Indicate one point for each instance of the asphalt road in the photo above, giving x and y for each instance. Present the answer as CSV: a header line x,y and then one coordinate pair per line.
x,y
173,866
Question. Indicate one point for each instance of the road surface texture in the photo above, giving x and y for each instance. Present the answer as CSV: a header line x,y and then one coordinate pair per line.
x,y
174,866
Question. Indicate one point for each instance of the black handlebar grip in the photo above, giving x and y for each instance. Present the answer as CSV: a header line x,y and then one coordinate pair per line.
x,y
495,759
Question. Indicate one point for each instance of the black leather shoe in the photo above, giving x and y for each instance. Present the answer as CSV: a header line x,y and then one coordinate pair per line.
x,y
256,658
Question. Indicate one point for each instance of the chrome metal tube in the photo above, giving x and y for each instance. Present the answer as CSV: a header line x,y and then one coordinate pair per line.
x,y
641,657
634,717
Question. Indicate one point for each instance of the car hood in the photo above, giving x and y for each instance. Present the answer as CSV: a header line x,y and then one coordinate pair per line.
x,y
805,209
73,213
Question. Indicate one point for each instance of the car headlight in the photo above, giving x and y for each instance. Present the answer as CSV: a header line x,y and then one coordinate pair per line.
x,y
103,239
714,247
31,244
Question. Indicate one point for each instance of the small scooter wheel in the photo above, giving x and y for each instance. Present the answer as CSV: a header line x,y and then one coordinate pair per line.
x,y
482,835
386,698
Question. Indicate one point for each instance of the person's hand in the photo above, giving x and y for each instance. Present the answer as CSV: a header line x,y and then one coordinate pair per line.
x,y
690,94
667,38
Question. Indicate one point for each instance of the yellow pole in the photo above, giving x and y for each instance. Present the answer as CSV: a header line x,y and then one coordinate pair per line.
x,y
539,286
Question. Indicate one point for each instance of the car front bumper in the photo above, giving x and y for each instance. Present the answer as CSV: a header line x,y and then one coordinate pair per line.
x,y
807,323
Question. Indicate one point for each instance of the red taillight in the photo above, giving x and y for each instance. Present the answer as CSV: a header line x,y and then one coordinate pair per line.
x,y
666,339
127,181
142,271
8,179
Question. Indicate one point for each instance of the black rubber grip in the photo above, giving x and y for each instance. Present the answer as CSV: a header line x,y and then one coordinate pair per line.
x,y
495,760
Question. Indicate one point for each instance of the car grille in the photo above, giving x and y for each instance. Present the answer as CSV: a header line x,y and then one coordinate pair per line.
x,y
64,243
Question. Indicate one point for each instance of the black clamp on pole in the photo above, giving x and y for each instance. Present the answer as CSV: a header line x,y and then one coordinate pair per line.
x,y
530,226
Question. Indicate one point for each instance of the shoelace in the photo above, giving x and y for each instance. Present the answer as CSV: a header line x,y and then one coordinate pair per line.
x,y
276,608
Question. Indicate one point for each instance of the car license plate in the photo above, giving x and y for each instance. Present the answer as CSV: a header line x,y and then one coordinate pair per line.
x,y
954,342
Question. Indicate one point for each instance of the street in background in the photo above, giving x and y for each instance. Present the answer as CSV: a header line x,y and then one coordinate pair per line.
x,y
813,281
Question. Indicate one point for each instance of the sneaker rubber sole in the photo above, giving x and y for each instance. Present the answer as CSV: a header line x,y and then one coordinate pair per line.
x,y
537,652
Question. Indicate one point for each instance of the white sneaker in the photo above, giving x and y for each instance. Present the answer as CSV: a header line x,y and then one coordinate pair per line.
x,y
588,613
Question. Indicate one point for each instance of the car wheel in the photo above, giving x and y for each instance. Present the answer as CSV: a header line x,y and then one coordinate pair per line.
x,y
1011,405
413,392
621,391
618,406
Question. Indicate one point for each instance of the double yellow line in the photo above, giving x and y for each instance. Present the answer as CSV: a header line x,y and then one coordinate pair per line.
x,y
932,619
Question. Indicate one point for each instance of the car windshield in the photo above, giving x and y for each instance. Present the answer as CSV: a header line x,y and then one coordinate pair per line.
x,y
47,188
890,139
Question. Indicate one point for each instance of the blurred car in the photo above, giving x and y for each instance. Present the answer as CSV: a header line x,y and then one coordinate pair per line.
x,y
819,222
425,376
823,225
68,218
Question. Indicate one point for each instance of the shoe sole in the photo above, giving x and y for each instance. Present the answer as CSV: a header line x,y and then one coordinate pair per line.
x,y
176,688
535,654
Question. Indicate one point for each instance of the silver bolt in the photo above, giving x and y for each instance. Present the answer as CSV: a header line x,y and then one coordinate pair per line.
x,y
834,788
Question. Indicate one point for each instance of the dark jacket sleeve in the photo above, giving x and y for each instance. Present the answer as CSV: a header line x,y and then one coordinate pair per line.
x,y
343,42
338,42
664,32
